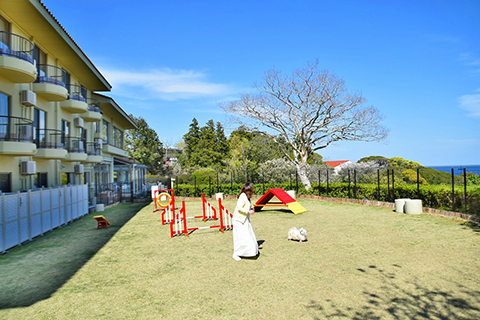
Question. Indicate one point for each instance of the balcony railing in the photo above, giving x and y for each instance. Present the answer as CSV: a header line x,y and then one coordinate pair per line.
x,y
76,92
48,139
94,149
16,129
93,105
75,145
16,46
51,74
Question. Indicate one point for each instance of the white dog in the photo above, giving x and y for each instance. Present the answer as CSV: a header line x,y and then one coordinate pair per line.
x,y
296,234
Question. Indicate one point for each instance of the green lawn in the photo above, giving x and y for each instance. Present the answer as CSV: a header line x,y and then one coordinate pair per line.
x,y
359,262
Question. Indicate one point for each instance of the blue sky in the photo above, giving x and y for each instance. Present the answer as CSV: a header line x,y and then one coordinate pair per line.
x,y
418,62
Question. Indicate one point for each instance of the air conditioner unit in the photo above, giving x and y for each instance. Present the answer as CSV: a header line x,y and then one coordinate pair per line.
x,y
28,167
78,122
28,98
79,169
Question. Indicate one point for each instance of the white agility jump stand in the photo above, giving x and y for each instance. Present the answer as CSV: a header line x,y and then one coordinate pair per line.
x,y
169,211
178,225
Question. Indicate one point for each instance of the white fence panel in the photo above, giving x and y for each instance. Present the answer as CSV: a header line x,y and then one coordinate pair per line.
x,y
24,216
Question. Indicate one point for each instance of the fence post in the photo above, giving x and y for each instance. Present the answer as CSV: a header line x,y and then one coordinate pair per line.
x,y
4,236
319,182
355,183
327,182
418,183
132,191
263,185
465,189
296,181
393,185
378,184
19,229
453,190
349,193
388,185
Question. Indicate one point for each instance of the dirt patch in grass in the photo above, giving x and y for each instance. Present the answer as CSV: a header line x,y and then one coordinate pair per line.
x,y
359,262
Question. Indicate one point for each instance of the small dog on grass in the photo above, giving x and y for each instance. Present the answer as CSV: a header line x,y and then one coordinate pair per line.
x,y
297,234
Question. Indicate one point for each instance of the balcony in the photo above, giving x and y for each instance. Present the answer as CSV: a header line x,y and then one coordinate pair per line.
x,y
16,136
16,58
94,152
76,101
108,148
76,149
94,113
49,144
50,83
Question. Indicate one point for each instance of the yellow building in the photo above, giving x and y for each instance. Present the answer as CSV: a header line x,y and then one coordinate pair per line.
x,y
55,129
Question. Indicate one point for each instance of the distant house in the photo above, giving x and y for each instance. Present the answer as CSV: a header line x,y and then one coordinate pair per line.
x,y
337,165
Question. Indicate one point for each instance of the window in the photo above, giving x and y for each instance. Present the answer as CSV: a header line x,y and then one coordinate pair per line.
x,y
117,138
41,180
6,182
4,24
83,90
4,111
41,58
105,131
65,133
68,178
39,125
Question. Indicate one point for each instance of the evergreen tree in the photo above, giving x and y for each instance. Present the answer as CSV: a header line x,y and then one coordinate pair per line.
x,y
192,140
144,146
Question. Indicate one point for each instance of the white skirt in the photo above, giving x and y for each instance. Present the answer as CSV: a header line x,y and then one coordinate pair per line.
x,y
244,240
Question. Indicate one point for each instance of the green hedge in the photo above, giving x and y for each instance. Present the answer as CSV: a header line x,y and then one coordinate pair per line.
x,y
432,196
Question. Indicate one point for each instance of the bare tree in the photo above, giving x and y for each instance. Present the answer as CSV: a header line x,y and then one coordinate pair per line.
x,y
309,110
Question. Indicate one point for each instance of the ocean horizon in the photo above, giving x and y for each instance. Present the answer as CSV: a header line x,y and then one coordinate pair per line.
x,y
458,169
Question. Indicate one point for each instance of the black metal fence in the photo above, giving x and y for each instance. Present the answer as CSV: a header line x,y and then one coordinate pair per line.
x,y
111,193
457,193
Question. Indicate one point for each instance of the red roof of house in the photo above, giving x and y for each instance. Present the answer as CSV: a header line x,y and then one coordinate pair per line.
x,y
334,164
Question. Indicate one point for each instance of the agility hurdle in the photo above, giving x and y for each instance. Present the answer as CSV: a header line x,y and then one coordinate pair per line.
x,y
226,218
168,210
179,226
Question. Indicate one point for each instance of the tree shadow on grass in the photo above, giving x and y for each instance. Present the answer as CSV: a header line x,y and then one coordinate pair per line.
x,y
33,272
404,300
475,227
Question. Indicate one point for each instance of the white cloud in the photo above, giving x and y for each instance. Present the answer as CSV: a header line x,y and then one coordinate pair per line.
x,y
165,84
471,103
471,61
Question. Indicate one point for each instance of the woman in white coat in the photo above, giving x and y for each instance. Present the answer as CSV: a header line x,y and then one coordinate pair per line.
x,y
244,240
